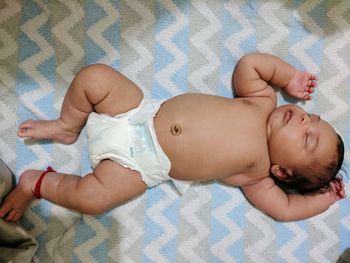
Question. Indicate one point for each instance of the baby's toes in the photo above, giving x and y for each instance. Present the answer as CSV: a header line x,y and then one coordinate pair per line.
x,y
24,129
24,132
26,124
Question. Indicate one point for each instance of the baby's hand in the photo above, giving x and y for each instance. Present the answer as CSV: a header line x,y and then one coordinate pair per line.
x,y
336,191
301,85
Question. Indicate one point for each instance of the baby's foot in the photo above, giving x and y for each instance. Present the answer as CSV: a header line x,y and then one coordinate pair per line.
x,y
51,130
16,202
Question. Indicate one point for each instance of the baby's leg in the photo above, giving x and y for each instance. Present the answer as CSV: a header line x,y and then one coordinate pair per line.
x,y
110,184
97,88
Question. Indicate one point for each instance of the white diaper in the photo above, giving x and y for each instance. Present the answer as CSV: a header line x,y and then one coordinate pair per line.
x,y
130,140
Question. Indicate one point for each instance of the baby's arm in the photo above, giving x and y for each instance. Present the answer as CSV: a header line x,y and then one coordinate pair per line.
x,y
254,72
271,199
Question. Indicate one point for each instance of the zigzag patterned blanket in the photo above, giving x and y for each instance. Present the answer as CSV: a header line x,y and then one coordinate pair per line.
x,y
168,47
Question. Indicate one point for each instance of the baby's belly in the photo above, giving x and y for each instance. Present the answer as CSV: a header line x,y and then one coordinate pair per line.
x,y
197,134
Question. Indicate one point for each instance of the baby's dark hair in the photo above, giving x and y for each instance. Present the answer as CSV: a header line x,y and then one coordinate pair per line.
x,y
319,176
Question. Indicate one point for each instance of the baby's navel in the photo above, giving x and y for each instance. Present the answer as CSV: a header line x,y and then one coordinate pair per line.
x,y
175,129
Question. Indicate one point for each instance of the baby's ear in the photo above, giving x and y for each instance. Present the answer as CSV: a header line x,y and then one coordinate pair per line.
x,y
281,173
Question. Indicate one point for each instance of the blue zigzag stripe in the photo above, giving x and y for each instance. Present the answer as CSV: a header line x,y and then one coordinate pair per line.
x,y
24,84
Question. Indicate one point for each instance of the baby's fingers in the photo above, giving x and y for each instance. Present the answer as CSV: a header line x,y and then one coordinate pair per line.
x,y
310,90
306,96
312,76
312,84
333,187
342,192
338,188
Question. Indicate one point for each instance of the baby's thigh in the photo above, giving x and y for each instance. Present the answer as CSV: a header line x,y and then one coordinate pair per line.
x,y
121,184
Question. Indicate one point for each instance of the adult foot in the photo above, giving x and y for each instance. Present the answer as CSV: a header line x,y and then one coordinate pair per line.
x,y
16,202
51,130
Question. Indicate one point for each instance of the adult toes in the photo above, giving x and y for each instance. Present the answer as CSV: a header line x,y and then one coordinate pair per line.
x,y
4,209
11,215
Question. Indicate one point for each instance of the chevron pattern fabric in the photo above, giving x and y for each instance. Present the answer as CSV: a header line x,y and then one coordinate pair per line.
x,y
168,47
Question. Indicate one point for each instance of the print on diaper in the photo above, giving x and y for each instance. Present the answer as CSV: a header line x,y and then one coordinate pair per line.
x,y
142,139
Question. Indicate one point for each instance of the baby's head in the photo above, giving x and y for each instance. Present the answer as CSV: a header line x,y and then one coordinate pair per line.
x,y
305,151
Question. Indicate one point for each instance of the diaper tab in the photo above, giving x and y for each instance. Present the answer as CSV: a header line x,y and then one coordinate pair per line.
x,y
147,110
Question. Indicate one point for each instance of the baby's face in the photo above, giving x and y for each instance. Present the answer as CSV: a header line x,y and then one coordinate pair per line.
x,y
297,139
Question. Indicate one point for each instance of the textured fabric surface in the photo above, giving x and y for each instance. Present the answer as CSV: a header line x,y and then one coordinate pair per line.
x,y
168,47
16,245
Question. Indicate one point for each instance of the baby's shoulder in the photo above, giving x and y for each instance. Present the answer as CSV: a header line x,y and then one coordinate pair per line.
x,y
262,183
262,104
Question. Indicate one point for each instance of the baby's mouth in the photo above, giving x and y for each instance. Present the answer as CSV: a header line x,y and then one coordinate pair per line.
x,y
287,116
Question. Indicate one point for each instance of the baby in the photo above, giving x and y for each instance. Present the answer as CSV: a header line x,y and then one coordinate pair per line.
x,y
135,143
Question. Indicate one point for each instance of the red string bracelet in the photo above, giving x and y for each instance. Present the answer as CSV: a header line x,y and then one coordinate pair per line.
x,y
37,187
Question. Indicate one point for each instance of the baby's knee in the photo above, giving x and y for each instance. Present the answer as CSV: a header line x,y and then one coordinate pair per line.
x,y
94,80
93,72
